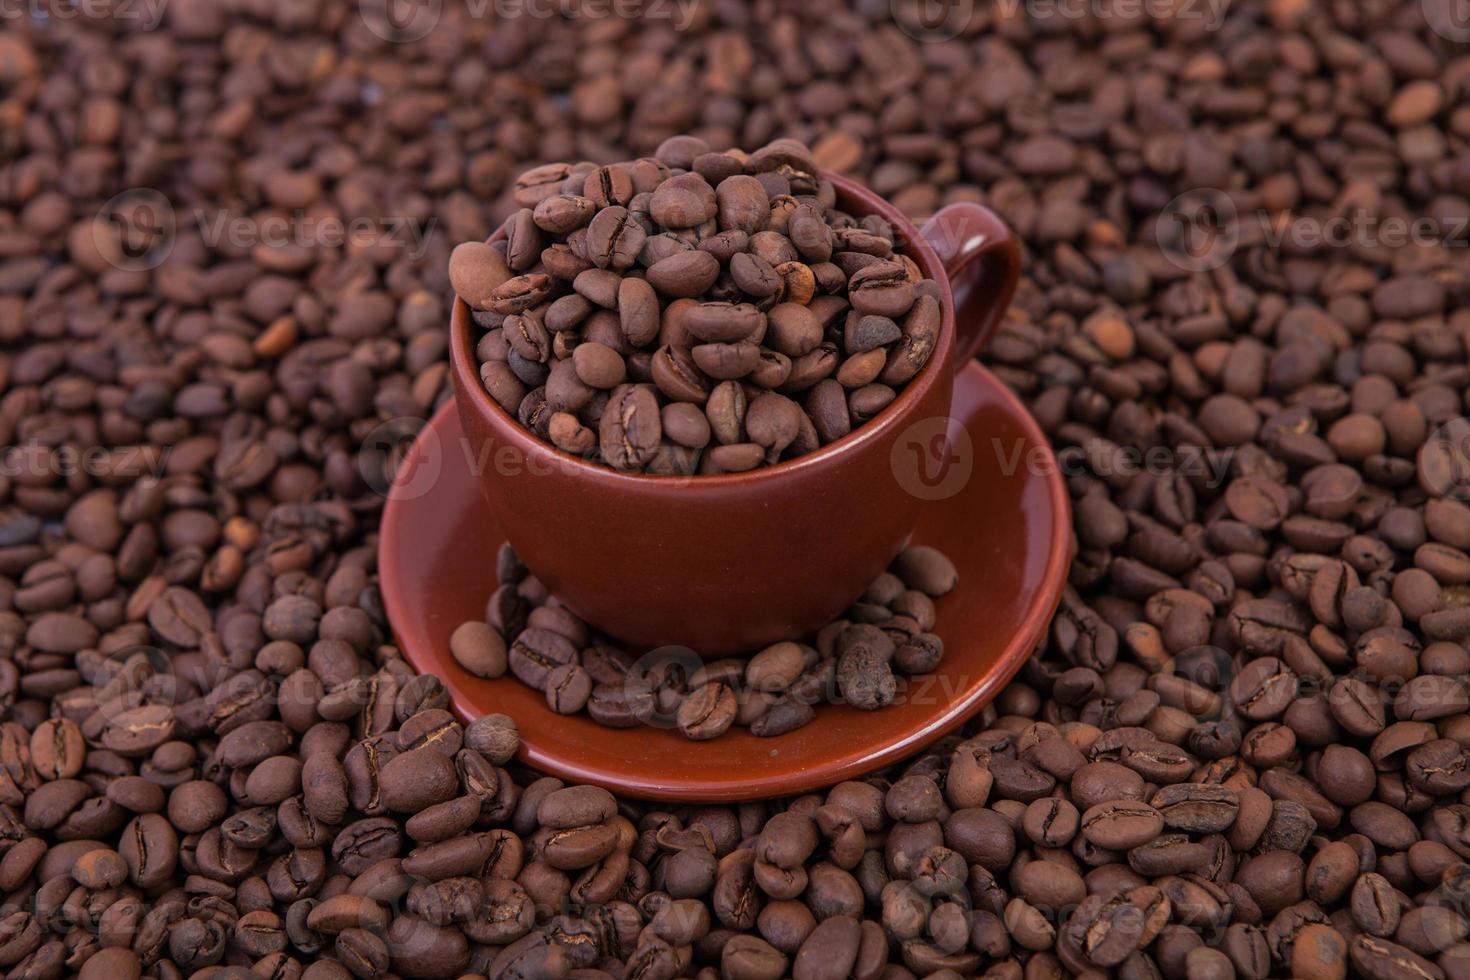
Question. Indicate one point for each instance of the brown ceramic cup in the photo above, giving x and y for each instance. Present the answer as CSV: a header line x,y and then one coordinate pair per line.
x,y
728,564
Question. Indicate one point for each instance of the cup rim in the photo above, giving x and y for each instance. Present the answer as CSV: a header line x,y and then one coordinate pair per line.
x,y
509,429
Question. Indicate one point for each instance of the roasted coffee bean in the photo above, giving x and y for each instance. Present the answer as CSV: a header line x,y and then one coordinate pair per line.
x,y
1107,930
865,679
680,345
567,689
1051,822
1169,854
620,705
775,668
479,649
630,430
782,716
150,847
1379,959
1121,824
535,653
614,237
138,731
576,807
1374,905
57,748
746,957
926,570
413,780
919,653
707,712
496,737
1197,808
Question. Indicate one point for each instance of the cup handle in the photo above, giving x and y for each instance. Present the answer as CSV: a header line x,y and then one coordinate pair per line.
x,y
983,262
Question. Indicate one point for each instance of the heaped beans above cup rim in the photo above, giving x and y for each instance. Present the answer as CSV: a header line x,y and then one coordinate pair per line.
x,y
664,315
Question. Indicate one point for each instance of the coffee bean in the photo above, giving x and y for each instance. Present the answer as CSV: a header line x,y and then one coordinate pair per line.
x,y
365,954
920,653
1263,689
775,668
1375,907
865,679
630,430
476,271
782,716
1112,928
1246,947
1379,959
413,780
707,712
57,749
113,961
536,653
1119,825
196,805
150,847
1197,808
137,731
568,688
598,366
752,958
479,649
926,570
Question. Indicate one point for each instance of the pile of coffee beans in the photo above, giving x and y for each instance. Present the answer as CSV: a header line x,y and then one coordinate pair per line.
x,y
663,315
850,660
212,759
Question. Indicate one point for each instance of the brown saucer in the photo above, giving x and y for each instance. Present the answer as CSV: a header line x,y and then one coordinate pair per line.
x,y
999,509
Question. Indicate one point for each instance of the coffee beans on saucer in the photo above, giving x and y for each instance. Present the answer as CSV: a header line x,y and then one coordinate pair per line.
x,y
861,659
695,311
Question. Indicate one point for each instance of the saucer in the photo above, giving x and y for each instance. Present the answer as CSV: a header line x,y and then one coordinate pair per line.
x,y
995,503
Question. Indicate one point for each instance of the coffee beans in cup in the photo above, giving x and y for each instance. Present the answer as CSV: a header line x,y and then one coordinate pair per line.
x,y
696,311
